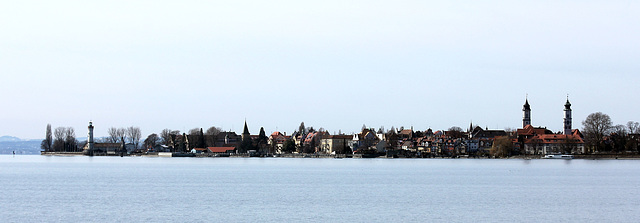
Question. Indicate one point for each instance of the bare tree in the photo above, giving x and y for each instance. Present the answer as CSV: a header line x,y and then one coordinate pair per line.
x,y
122,134
113,135
71,144
595,127
502,147
58,141
456,132
634,127
165,136
48,140
194,131
152,141
134,134
211,135
116,135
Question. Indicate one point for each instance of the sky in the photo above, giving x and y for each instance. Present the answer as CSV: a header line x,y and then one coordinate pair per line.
x,y
330,64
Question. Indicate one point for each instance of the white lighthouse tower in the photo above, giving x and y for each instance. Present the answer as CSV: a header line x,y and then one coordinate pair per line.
x,y
90,137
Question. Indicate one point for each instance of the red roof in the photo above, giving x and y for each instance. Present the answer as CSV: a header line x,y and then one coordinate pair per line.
x,y
220,149
530,130
555,139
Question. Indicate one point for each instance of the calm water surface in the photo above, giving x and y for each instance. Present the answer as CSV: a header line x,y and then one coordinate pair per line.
x,y
142,189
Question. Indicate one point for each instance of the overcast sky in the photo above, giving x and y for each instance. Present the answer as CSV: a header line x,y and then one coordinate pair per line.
x,y
332,64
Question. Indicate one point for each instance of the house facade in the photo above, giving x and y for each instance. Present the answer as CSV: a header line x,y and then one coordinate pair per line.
x,y
335,144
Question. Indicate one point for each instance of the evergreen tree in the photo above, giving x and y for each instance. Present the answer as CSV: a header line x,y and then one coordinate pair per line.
x,y
48,140
289,146
245,145
302,130
201,140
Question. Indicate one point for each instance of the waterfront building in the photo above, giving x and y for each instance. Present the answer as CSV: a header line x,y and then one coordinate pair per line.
x,y
102,149
335,144
364,140
276,141
539,140
227,139
480,133
554,144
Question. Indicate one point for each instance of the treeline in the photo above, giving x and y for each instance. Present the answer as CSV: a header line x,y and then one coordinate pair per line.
x,y
601,135
62,139
127,135
175,139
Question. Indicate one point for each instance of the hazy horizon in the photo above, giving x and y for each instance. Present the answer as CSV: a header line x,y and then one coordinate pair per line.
x,y
331,64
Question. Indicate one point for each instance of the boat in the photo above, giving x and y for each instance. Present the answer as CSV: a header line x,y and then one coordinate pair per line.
x,y
558,156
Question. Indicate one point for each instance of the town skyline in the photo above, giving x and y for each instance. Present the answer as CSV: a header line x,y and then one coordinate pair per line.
x,y
331,64
102,131
526,105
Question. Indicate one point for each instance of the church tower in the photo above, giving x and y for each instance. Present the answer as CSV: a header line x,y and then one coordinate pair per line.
x,y
526,116
567,117
90,137
245,133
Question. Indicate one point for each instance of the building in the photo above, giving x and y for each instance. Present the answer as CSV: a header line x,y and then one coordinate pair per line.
x,y
567,118
276,141
92,148
480,133
554,144
335,144
364,140
227,139
539,140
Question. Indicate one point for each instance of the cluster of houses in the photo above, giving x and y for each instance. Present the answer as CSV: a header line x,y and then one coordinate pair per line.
x,y
395,142
409,142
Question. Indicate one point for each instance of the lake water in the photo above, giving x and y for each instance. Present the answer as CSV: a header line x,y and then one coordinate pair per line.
x,y
143,189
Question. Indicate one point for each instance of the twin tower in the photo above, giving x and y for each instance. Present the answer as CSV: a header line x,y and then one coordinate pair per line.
x,y
526,117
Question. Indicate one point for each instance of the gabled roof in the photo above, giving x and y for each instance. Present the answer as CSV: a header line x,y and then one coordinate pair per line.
x,y
530,130
220,149
406,132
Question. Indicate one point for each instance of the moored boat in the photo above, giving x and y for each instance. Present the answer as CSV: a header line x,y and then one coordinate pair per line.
x,y
558,156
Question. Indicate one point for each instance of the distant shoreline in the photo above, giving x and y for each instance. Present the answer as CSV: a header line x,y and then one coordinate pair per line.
x,y
327,156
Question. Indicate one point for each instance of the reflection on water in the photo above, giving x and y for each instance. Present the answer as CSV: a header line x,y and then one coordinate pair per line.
x,y
40,188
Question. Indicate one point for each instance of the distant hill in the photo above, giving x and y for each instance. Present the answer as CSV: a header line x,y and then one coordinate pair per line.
x,y
9,139
8,144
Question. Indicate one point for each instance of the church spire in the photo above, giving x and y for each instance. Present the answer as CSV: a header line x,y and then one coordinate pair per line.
x,y
246,129
526,116
568,104
245,133
567,117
